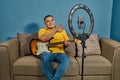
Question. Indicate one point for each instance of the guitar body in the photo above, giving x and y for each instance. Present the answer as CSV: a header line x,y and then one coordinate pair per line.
x,y
33,46
37,47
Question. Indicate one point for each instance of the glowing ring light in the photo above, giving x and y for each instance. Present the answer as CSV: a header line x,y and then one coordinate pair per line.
x,y
72,11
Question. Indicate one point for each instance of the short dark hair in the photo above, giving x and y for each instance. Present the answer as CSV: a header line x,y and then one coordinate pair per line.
x,y
47,16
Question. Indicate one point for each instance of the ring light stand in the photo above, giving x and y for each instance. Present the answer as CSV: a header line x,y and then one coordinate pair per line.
x,y
81,25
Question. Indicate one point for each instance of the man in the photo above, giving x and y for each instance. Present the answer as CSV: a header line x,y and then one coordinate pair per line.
x,y
51,34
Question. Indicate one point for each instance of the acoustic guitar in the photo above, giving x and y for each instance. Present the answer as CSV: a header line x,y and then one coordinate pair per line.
x,y
37,47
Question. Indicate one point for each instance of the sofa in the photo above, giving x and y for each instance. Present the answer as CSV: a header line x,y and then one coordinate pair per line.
x,y
104,65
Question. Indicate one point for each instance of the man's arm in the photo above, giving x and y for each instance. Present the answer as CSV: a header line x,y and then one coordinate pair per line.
x,y
67,43
47,36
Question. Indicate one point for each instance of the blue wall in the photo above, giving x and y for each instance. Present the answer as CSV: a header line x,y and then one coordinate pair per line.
x,y
115,24
26,16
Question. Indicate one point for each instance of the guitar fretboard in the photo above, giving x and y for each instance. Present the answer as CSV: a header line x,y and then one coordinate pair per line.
x,y
57,43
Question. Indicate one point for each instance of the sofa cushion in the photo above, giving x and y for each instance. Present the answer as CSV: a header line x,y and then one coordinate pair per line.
x,y
24,43
92,46
30,65
95,65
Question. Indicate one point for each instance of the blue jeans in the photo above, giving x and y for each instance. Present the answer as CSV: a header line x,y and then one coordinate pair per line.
x,y
47,59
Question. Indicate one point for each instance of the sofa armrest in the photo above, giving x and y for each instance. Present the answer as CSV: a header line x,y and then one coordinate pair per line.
x,y
12,47
4,64
111,50
9,52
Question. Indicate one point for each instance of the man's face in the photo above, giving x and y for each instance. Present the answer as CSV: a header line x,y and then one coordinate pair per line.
x,y
49,22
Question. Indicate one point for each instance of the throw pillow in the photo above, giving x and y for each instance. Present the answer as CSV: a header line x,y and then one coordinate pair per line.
x,y
92,46
24,43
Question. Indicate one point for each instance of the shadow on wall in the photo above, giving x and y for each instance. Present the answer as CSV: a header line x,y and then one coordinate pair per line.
x,y
31,28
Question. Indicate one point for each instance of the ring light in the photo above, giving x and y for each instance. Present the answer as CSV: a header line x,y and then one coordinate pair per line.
x,y
72,11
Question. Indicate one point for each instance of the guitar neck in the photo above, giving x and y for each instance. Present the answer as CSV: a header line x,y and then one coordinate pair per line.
x,y
57,43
